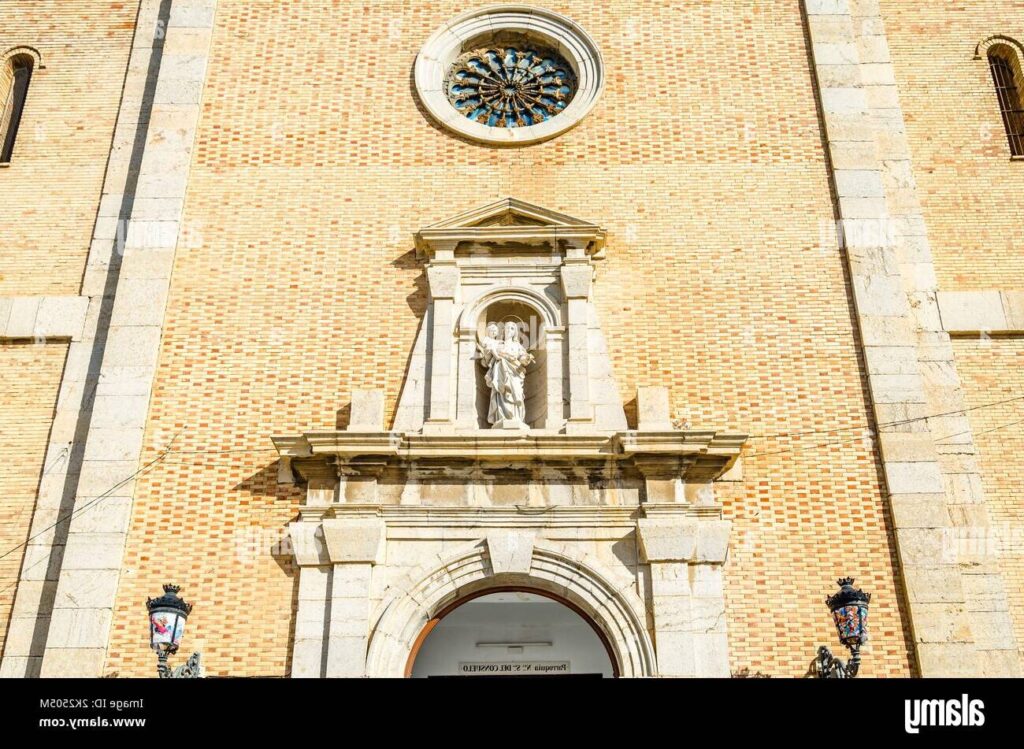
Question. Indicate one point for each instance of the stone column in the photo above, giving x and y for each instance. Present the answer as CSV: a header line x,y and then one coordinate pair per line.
x,y
577,275
957,604
685,555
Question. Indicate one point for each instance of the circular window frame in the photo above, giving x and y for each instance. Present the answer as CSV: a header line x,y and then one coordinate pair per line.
x,y
473,28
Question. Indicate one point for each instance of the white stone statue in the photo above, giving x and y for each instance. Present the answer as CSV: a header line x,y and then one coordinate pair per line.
x,y
505,360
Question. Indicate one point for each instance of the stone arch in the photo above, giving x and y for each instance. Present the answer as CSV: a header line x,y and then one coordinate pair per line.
x,y
26,52
1005,58
549,312
998,40
608,599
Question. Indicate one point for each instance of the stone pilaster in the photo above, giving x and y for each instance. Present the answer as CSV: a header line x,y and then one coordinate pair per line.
x,y
577,274
349,626
957,604
336,557
443,276
104,398
686,555
311,622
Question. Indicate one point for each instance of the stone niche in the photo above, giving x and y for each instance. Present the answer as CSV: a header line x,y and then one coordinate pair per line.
x,y
400,522
511,261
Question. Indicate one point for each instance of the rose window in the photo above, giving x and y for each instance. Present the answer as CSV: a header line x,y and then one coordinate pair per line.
x,y
510,87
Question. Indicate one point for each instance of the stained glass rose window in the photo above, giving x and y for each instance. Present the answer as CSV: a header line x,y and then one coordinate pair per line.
x,y
511,86
509,75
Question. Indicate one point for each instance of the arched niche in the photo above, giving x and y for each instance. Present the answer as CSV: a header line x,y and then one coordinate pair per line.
x,y
540,333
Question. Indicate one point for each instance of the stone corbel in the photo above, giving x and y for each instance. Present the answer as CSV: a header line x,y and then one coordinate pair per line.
x,y
358,480
443,278
321,493
577,278
285,474
321,487
667,540
663,477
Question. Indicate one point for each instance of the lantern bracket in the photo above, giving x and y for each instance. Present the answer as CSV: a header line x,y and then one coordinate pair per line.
x,y
849,609
191,669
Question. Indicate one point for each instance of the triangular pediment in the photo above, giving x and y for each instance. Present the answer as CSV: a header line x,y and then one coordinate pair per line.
x,y
510,212
511,221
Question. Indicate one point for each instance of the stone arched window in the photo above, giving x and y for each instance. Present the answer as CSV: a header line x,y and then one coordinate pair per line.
x,y
1004,60
15,75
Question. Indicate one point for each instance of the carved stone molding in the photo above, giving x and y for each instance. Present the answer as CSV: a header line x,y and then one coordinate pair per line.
x,y
523,27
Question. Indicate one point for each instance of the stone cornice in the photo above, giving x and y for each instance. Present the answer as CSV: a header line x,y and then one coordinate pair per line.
x,y
704,452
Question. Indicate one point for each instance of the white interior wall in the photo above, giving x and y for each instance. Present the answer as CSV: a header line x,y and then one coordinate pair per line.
x,y
512,618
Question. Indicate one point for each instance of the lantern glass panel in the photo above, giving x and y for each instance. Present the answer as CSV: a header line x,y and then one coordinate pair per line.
x,y
166,630
852,623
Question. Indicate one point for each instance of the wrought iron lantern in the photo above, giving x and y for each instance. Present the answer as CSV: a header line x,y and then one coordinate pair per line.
x,y
167,617
849,609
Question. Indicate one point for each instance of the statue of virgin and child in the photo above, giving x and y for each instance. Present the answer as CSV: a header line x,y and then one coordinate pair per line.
x,y
505,360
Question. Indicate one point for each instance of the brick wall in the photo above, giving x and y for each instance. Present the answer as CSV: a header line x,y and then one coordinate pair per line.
x,y
992,374
52,186
314,165
31,376
969,187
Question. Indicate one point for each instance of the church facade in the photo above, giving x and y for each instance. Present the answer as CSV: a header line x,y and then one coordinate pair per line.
x,y
438,338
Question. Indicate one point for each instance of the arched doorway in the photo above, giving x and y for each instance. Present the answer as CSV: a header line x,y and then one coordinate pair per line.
x,y
512,631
